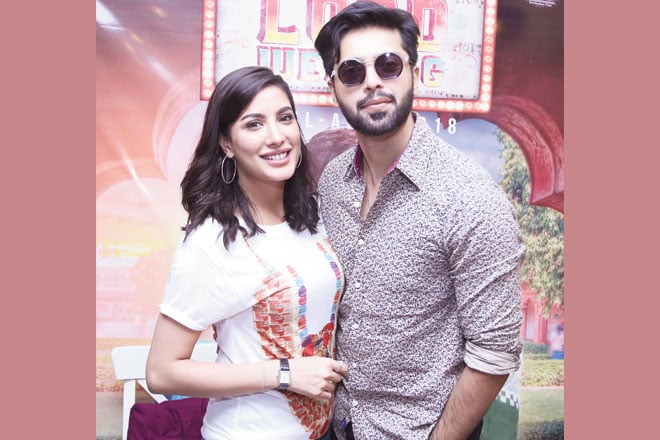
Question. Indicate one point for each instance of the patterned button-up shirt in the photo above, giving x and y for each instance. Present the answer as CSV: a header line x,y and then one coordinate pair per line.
x,y
432,285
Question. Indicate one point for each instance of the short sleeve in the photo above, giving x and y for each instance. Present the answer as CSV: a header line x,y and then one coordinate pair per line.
x,y
199,290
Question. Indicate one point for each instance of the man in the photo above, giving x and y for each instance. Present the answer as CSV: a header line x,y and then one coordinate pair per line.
x,y
430,318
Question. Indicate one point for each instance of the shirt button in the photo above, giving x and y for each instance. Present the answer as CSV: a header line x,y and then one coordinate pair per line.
x,y
361,242
356,204
357,284
353,364
354,403
355,326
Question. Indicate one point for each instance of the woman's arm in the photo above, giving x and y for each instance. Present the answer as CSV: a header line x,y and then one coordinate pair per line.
x,y
171,371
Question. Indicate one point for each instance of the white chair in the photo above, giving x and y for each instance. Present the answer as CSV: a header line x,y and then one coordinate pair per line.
x,y
129,363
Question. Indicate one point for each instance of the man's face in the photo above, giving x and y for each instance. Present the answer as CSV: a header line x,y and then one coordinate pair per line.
x,y
376,106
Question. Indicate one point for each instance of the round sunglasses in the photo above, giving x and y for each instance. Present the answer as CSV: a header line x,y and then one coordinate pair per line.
x,y
353,71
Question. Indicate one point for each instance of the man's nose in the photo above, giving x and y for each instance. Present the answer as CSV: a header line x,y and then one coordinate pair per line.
x,y
371,79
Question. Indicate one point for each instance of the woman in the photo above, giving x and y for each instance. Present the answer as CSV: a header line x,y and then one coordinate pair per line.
x,y
255,264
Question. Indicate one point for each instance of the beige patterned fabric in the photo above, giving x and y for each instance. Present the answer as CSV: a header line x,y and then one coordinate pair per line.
x,y
434,264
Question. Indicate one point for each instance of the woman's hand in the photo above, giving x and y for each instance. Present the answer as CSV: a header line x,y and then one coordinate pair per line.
x,y
316,376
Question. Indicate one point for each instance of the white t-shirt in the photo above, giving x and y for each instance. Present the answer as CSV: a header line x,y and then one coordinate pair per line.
x,y
240,290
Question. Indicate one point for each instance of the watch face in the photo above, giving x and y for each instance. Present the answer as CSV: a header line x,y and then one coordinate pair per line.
x,y
284,375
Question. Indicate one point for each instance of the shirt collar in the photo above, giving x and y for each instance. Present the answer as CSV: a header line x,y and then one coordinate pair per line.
x,y
358,158
407,166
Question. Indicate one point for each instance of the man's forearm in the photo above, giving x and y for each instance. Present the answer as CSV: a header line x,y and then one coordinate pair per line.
x,y
470,399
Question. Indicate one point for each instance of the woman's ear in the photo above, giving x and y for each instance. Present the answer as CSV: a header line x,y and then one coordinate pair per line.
x,y
226,147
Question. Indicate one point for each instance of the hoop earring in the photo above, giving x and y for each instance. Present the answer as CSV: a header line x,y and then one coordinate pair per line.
x,y
299,160
222,170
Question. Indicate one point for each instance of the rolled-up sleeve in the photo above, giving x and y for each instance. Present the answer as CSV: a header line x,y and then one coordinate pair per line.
x,y
486,257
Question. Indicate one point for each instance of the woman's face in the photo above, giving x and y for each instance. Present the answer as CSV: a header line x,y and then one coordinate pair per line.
x,y
265,140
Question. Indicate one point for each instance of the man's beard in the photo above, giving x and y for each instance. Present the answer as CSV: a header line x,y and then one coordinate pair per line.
x,y
378,123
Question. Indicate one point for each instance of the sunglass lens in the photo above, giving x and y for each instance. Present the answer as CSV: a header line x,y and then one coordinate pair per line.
x,y
351,72
388,65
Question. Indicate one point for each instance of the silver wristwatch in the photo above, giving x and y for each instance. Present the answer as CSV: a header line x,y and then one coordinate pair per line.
x,y
284,375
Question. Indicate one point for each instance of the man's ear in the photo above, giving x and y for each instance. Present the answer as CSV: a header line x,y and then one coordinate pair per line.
x,y
415,74
331,87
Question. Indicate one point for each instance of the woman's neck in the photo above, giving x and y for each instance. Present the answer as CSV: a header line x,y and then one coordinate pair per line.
x,y
267,203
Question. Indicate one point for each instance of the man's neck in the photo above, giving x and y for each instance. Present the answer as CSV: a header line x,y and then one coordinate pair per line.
x,y
381,152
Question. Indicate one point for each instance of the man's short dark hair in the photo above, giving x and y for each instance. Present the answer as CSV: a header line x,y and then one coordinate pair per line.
x,y
363,14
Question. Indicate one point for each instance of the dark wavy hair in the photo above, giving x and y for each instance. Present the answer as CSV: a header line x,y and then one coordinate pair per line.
x,y
363,14
205,194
